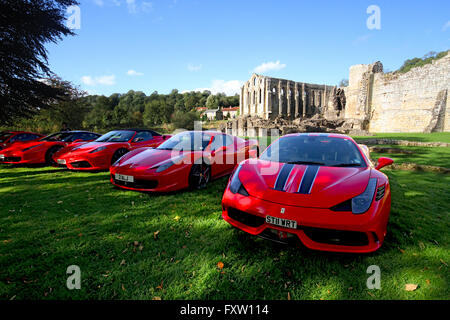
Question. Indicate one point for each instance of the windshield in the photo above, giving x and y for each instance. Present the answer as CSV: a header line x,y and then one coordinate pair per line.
x,y
60,136
318,150
4,136
187,141
116,136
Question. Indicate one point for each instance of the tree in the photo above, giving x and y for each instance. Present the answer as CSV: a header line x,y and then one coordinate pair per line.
x,y
25,27
343,83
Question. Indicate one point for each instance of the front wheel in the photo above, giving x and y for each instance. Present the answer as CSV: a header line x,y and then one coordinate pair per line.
x,y
49,155
117,155
199,176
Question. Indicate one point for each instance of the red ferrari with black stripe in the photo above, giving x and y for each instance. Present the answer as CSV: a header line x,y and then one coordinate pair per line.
x,y
8,138
319,188
42,150
188,159
101,153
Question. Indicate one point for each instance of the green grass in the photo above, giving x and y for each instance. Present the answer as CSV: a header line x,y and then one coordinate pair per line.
x,y
421,137
50,219
434,156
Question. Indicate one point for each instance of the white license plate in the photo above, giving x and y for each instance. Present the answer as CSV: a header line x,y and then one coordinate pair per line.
x,y
61,161
285,223
2,157
122,177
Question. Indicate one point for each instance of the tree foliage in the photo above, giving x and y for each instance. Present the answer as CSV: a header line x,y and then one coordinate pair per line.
x,y
26,26
419,62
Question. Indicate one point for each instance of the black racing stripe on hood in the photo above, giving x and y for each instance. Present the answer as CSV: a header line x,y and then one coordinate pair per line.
x,y
283,176
308,179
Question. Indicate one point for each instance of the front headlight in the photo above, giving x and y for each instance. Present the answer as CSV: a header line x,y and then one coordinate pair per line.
x,y
361,203
98,149
166,165
26,149
236,185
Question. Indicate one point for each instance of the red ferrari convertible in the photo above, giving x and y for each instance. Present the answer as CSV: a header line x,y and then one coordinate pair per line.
x,y
101,153
188,159
319,188
42,150
8,138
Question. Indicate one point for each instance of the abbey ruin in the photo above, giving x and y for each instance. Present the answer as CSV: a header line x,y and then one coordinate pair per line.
x,y
374,101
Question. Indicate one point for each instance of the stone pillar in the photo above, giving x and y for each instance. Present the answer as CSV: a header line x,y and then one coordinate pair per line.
x,y
304,100
280,98
288,99
296,97
241,102
269,99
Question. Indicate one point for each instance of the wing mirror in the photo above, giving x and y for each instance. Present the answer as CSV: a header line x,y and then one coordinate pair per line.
x,y
221,149
383,162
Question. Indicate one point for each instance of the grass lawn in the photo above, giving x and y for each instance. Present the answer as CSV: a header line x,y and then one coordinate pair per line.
x,y
433,156
422,137
132,245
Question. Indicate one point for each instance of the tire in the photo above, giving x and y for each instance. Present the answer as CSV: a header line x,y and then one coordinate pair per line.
x,y
199,176
49,155
118,154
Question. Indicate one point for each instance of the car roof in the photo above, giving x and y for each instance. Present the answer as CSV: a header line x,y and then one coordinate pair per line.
x,y
320,134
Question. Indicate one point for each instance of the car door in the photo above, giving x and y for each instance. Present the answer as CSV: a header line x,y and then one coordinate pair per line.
x,y
142,139
223,154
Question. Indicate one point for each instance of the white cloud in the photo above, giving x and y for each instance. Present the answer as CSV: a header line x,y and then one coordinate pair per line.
x,y
362,39
102,80
98,2
134,73
446,26
132,7
147,6
192,67
269,66
230,88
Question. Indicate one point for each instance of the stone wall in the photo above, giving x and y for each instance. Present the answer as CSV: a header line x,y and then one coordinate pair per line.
x,y
416,101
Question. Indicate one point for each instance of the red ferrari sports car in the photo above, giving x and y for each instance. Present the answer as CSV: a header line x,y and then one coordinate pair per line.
x,y
188,159
42,150
8,138
319,188
101,153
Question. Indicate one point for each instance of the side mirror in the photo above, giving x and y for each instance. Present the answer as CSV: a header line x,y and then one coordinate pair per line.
x,y
383,162
221,149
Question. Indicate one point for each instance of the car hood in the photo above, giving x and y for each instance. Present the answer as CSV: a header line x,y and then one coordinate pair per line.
x,y
302,185
19,145
91,146
145,158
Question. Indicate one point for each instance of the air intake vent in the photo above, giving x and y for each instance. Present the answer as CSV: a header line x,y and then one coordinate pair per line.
x,y
380,192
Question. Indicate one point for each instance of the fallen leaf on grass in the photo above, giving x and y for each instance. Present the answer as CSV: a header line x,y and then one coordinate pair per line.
x,y
177,218
220,265
123,288
289,296
411,287
141,247
371,294
155,234
122,262
156,298
136,243
160,287
401,250
428,281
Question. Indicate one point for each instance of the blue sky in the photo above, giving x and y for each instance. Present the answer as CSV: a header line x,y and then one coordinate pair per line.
x,y
148,45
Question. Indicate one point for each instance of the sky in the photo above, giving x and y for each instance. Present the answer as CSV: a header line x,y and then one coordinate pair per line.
x,y
160,45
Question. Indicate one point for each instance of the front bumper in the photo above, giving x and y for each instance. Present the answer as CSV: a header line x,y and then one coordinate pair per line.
x,y
318,229
85,163
149,181
20,158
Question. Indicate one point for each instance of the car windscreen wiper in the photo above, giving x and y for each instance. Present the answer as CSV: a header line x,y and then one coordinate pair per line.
x,y
306,162
347,165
